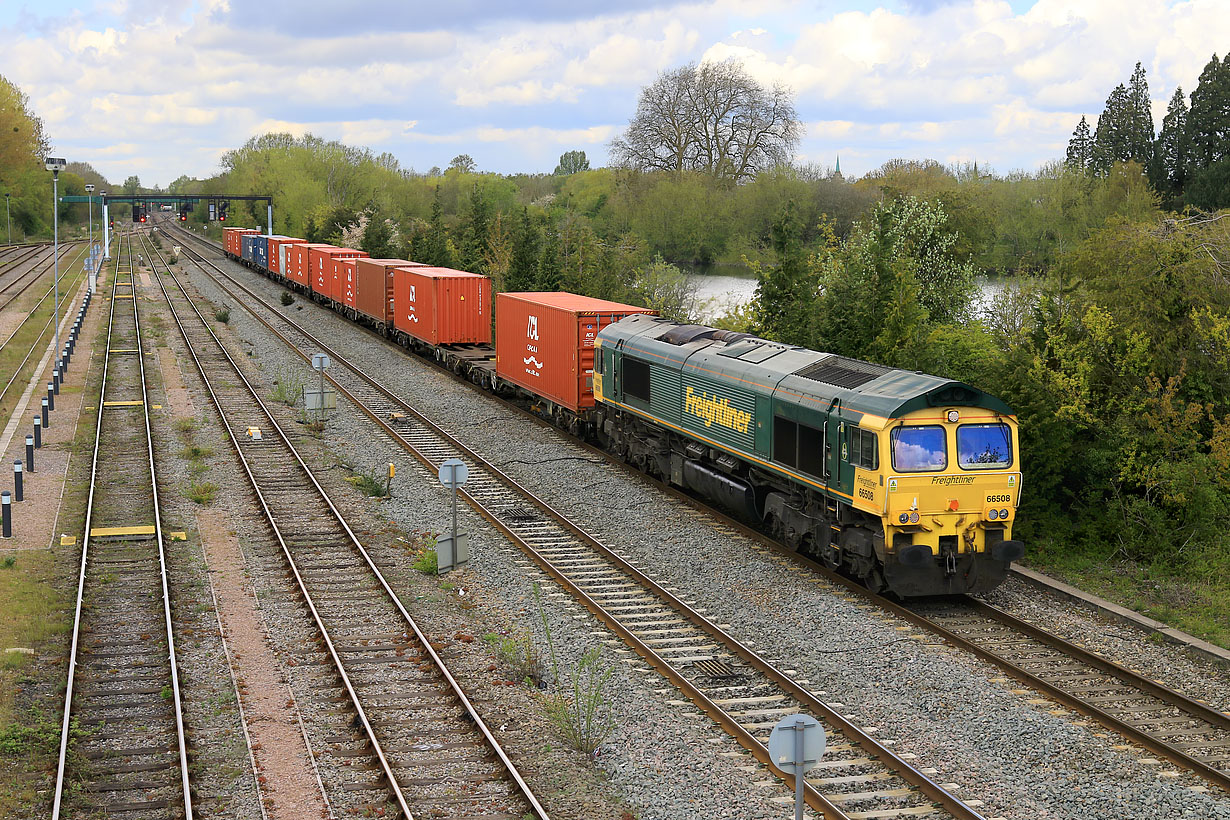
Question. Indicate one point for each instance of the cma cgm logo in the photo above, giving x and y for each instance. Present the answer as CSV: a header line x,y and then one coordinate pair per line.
x,y
531,361
412,299
716,411
531,332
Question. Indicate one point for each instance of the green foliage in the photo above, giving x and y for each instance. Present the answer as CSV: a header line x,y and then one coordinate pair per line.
x,y
379,239
223,315
520,656
201,492
475,231
583,714
550,274
425,559
786,291
571,162
1209,188
287,299
371,484
523,266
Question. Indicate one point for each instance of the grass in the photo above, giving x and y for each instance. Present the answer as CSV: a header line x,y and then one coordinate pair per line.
x,y
287,387
370,484
33,612
196,452
223,315
201,492
1201,608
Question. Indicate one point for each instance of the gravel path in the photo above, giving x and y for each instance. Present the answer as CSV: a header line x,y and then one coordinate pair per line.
x,y
1021,759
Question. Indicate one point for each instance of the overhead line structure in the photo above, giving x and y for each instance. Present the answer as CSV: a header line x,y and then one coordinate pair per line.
x,y
123,724
319,548
741,691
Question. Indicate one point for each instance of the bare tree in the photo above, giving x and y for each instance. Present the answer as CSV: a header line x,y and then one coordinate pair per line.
x,y
711,117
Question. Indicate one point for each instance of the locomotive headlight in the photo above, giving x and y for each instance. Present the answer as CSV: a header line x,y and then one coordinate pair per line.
x,y
992,514
953,416
1003,514
913,518
904,518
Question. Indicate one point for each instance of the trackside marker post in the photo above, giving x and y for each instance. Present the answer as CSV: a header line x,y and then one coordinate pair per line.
x,y
6,502
453,551
38,426
30,453
18,490
796,745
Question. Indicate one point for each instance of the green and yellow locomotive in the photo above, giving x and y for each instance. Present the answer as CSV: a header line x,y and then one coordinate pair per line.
x,y
906,481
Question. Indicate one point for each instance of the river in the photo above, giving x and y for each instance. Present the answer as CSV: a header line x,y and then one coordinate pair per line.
x,y
719,293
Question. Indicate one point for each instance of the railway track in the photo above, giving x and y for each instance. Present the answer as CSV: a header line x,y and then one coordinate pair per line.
x,y
26,327
122,747
40,267
432,754
860,777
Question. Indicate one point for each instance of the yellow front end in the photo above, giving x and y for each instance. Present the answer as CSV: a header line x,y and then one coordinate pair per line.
x,y
951,482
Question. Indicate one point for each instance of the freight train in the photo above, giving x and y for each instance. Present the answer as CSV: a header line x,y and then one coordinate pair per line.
x,y
905,481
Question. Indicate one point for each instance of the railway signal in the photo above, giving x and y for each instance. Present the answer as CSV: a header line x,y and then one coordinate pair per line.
x,y
222,211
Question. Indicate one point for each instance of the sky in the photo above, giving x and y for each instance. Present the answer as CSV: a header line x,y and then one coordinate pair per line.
x,y
163,89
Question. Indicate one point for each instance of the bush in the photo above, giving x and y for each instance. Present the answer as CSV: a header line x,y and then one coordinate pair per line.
x,y
426,561
223,315
287,299
201,492
519,656
370,484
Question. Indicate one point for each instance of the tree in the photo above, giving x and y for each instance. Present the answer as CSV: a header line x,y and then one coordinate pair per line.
x,y
523,267
379,238
1172,157
570,162
464,163
550,271
786,292
475,231
1125,129
1080,147
132,185
1209,188
711,117
1208,121
432,246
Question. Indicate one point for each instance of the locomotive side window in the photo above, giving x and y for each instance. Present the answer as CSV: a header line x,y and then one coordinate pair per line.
x,y
598,361
984,446
919,449
864,452
636,379
798,445
785,441
811,450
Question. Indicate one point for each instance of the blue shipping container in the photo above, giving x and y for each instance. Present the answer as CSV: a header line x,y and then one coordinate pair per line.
x,y
248,249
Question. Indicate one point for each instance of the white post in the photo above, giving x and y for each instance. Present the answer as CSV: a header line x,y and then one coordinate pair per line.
x,y
106,228
55,251
89,189
270,210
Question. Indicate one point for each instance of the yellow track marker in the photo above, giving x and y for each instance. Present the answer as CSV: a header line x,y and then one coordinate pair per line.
x,y
125,350
118,296
102,532
137,403
68,540
179,536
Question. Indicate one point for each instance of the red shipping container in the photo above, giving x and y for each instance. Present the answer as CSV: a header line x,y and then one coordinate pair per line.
x,y
278,252
442,306
320,265
343,281
298,266
232,239
544,342
374,286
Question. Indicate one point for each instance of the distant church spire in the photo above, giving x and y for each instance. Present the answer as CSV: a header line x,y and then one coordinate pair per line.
x,y
837,171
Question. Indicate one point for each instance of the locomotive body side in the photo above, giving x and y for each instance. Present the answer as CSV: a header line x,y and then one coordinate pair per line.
x,y
829,453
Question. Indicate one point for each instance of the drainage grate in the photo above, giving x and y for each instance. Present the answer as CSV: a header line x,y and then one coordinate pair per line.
x,y
713,668
519,515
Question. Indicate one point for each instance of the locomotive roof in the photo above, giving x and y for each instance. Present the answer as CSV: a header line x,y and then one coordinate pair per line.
x,y
808,376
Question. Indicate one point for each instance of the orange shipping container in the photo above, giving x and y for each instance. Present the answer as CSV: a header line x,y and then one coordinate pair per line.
x,y
343,281
544,342
374,286
278,248
298,264
320,265
442,306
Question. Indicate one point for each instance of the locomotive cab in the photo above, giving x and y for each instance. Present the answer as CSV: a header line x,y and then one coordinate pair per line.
x,y
950,482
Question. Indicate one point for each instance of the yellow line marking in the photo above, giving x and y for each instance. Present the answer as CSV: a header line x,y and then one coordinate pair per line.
x,y
101,532
122,297
68,540
137,403
156,406
124,350
179,536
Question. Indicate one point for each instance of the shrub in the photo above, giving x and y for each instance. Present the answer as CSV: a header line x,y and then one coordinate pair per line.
x,y
201,492
287,299
519,656
223,315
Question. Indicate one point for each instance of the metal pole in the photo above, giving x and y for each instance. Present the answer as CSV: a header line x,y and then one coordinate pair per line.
x,y
6,501
798,769
454,477
18,489
38,426
9,210
51,395
271,217
322,395
55,209
106,228
30,453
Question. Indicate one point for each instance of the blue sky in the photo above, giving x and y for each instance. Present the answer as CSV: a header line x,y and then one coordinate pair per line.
x,y
1000,82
